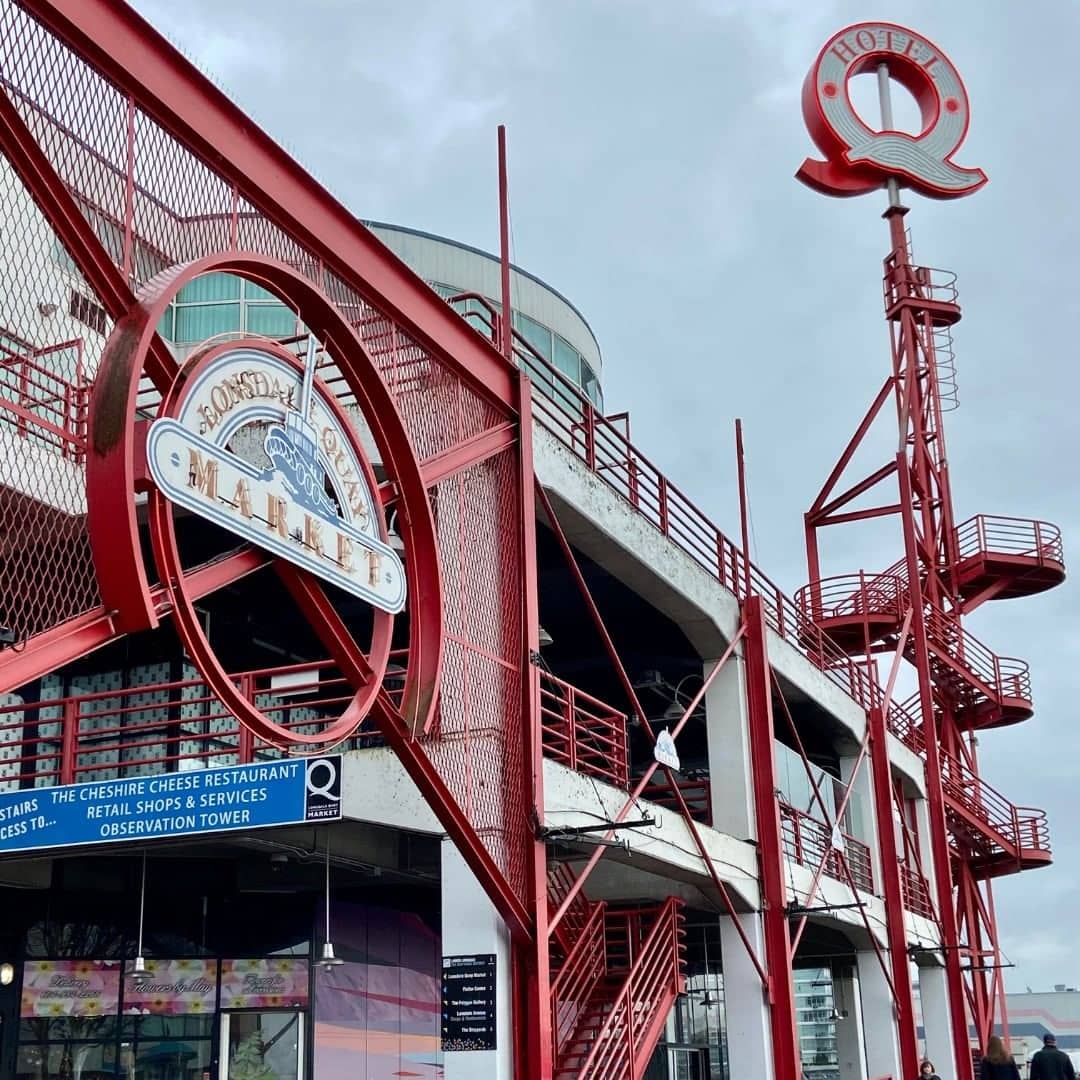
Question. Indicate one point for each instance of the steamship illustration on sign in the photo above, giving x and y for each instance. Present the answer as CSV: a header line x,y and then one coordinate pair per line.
x,y
313,504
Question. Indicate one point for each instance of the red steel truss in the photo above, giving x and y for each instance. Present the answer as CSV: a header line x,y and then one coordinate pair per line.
x,y
916,608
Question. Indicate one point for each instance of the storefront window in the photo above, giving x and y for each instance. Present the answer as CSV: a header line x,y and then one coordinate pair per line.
x,y
165,1059
263,1045
67,1061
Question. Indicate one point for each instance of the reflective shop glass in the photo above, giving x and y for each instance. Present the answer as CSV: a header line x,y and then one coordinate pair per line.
x,y
86,1060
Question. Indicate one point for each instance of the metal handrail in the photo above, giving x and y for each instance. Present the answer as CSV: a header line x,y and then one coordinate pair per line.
x,y
1001,676
854,594
903,281
583,968
45,405
915,891
984,534
807,841
583,732
656,971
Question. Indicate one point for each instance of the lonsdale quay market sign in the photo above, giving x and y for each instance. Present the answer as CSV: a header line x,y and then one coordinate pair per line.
x,y
859,159
281,504
247,436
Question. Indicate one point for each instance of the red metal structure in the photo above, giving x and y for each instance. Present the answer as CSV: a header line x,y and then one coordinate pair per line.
x,y
146,177
915,609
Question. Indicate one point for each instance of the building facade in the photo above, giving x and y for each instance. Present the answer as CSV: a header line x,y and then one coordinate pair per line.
x,y
371,705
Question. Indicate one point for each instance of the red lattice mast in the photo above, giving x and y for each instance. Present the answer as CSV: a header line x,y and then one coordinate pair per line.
x,y
917,606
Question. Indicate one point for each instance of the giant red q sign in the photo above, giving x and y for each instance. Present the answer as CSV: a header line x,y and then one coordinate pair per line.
x,y
859,159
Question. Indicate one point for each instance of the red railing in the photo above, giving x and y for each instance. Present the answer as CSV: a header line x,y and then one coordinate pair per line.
x,y
854,595
902,719
565,411
572,987
915,892
561,880
903,281
583,732
112,734
696,792
46,406
986,535
1025,828
807,841
887,592
635,1017
1001,676
1022,828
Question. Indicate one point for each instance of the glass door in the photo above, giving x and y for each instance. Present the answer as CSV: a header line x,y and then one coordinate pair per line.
x,y
262,1045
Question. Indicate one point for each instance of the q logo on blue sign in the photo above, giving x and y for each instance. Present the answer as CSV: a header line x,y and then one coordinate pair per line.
x,y
322,789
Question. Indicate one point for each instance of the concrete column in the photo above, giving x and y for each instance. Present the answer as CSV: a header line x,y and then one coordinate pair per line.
x,y
926,851
879,1019
861,810
937,1026
731,778
746,1007
471,926
850,1035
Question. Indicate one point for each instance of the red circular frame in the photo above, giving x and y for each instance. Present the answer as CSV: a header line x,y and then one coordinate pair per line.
x,y
116,447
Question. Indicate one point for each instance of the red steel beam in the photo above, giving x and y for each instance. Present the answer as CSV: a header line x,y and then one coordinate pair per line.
x,y
849,450
935,797
170,90
891,888
534,1042
721,887
770,843
590,603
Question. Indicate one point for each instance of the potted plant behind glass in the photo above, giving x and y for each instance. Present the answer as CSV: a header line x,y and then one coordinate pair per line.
x,y
247,1061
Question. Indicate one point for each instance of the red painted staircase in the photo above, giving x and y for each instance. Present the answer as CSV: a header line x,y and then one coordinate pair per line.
x,y
996,558
616,972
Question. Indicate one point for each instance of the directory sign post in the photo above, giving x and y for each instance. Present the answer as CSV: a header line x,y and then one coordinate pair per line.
x,y
468,1002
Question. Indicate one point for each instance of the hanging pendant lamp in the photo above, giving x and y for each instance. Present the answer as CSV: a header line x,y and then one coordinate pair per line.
x,y
329,958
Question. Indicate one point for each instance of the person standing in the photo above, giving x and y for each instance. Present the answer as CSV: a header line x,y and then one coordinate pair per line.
x,y
1050,1063
926,1070
996,1063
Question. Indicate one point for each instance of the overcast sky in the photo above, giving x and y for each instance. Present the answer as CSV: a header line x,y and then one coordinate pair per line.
x,y
652,147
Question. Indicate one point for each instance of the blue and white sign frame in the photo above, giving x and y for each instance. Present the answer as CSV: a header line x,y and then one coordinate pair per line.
x,y
200,802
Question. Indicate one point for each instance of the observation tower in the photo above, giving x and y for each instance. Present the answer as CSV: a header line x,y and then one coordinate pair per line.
x,y
916,608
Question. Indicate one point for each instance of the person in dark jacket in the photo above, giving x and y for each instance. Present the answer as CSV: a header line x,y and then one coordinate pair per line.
x,y
927,1071
996,1063
1050,1063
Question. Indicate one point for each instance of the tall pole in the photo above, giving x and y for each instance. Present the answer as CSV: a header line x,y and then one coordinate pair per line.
x,y
887,124
744,506
506,318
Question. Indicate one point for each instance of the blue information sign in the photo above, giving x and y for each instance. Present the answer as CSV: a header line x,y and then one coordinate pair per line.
x,y
254,796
